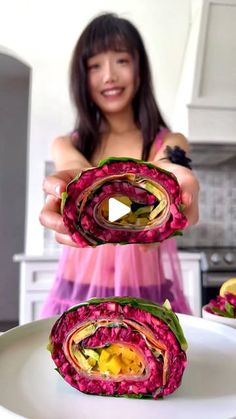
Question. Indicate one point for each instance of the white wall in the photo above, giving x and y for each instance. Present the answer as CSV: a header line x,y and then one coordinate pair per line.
x,y
43,33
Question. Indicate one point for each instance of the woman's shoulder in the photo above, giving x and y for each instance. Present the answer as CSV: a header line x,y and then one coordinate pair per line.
x,y
176,138
170,134
62,140
160,138
167,135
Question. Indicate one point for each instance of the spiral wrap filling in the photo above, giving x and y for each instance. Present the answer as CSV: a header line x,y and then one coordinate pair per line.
x,y
152,197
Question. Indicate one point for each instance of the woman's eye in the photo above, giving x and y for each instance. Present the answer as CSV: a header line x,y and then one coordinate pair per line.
x,y
94,66
123,61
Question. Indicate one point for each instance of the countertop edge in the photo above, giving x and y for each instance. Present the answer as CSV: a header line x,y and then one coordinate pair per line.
x,y
47,257
54,256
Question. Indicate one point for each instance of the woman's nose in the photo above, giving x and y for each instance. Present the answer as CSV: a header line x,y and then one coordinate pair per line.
x,y
110,74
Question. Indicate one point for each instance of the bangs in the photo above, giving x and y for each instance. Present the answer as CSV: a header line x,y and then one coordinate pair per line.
x,y
110,43
107,36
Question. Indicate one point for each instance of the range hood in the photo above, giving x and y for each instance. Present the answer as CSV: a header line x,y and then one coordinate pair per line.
x,y
205,108
213,154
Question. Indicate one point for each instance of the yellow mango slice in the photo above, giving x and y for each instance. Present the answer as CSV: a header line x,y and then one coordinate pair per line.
x,y
114,365
124,199
104,356
92,361
142,221
128,353
119,359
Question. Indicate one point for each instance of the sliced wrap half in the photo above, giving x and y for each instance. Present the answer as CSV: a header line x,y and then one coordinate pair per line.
x,y
151,195
120,346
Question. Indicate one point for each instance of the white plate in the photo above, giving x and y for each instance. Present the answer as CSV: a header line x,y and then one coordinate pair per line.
x,y
31,388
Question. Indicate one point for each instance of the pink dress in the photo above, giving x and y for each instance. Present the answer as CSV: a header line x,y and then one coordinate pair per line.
x,y
117,270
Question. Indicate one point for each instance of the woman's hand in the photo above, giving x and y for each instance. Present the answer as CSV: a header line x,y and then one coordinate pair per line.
x,y
190,189
50,216
53,185
189,186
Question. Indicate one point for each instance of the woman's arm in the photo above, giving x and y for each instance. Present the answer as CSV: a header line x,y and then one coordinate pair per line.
x,y
68,162
66,156
187,180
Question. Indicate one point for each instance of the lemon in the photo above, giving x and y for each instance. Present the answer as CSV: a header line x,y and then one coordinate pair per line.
x,y
228,286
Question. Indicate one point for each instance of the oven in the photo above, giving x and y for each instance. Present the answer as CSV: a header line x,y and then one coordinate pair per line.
x,y
217,265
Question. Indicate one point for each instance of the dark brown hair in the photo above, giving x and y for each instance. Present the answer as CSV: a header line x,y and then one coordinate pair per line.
x,y
110,32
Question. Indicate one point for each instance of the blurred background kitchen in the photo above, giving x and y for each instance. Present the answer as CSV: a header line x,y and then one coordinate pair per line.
x,y
192,49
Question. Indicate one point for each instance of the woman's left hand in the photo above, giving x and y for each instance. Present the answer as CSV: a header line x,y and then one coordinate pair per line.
x,y
189,188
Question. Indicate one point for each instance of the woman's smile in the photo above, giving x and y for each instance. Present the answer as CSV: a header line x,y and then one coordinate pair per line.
x,y
112,92
112,80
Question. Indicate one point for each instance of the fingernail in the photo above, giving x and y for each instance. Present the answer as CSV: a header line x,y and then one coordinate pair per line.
x,y
57,190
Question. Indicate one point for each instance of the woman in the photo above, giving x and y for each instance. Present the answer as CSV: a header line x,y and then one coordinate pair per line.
x,y
117,115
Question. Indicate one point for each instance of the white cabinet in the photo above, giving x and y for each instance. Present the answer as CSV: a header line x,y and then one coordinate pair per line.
x,y
212,106
190,266
37,275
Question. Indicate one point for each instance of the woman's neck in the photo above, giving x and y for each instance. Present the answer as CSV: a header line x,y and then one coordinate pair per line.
x,y
120,123
120,136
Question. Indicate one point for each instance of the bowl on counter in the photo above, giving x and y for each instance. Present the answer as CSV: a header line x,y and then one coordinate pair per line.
x,y
228,321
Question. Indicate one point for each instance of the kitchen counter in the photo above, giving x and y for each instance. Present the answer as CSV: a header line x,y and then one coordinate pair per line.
x,y
190,254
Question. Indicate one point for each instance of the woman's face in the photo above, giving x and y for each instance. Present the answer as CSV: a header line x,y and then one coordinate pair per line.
x,y
112,81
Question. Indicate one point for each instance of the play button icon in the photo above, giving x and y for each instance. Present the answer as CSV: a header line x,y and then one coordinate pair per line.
x,y
116,209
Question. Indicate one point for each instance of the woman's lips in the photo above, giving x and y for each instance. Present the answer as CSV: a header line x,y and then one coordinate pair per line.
x,y
112,93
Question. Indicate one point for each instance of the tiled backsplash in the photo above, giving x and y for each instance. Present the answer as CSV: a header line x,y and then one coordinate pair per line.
x,y
217,207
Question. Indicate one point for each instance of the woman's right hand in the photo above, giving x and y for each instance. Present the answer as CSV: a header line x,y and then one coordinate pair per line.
x,y
50,216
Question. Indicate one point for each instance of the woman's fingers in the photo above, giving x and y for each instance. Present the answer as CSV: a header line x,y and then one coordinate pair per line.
x,y
52,220
192,213
56,184
65,239
190,188
190,200
50,216
53,186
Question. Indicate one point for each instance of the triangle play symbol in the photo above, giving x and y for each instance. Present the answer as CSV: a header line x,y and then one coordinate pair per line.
x,y
116,209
